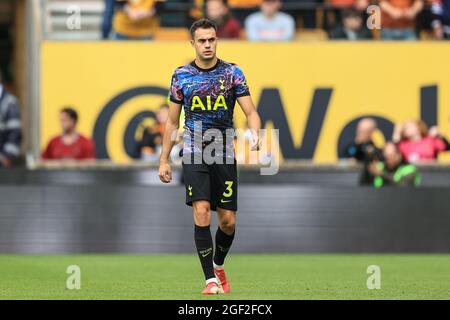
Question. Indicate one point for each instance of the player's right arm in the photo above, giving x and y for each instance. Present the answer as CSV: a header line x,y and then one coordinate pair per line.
x,y
169,138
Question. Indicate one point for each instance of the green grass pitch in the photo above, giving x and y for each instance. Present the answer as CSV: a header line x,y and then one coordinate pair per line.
x,y
251,277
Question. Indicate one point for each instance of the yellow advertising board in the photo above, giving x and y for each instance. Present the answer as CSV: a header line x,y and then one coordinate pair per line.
x,y
313,92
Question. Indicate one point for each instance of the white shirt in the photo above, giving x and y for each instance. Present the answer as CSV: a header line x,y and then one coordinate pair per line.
x,y
281,27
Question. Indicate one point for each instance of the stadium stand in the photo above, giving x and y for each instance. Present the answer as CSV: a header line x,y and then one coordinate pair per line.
x,y
172,34
311,35
309,15
6,13
56,19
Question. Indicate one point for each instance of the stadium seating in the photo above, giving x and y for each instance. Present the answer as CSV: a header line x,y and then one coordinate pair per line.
x,y
311,35
172,34
179,14
56,18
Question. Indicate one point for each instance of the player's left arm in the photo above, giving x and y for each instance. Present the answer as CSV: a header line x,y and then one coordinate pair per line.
x,y
253,120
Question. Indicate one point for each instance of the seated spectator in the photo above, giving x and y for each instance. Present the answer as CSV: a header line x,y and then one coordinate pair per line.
x,y
270,24
10,127
337,6
398,19
161,116
152,136
394,171
219,12
441,21
418,144
71,144
352,27
363,149
150,143
130,19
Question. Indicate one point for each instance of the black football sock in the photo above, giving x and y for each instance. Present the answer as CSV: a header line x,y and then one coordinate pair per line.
x,y
223,244
204,244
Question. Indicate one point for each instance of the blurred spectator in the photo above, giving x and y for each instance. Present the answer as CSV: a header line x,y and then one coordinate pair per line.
x,y
337,6
150,143
130,19
244,3
308,14
357,4
71,144
393,171
441,21
10,127
352,27
416,143
398,19
363,149
219,12
161,116
152,136
270,24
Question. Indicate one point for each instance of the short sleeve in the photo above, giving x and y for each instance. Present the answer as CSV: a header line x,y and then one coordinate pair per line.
x,y
439,144
90,149
176,94
240,83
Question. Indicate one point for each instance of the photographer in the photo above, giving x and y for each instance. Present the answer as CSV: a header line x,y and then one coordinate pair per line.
x,y
363,149
393,170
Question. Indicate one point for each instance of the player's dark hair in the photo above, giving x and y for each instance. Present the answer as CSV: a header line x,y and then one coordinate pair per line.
x,y
203,24
71,113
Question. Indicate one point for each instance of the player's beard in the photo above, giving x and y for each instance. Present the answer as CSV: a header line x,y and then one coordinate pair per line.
x,y
208,58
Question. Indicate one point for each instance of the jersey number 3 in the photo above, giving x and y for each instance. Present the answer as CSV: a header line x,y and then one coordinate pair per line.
x,y
228,191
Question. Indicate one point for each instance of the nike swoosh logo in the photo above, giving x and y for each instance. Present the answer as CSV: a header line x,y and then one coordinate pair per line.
x,y
206,252
224,201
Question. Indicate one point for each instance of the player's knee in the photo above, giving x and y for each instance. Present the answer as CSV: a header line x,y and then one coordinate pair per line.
x,y
228,225
202,213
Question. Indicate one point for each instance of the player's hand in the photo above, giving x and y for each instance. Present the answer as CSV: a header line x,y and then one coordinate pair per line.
x,y
165,172
255,142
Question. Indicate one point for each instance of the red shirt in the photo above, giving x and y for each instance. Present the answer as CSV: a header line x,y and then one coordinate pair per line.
x,y
402,23
81,148
423,150
342,3
231,29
